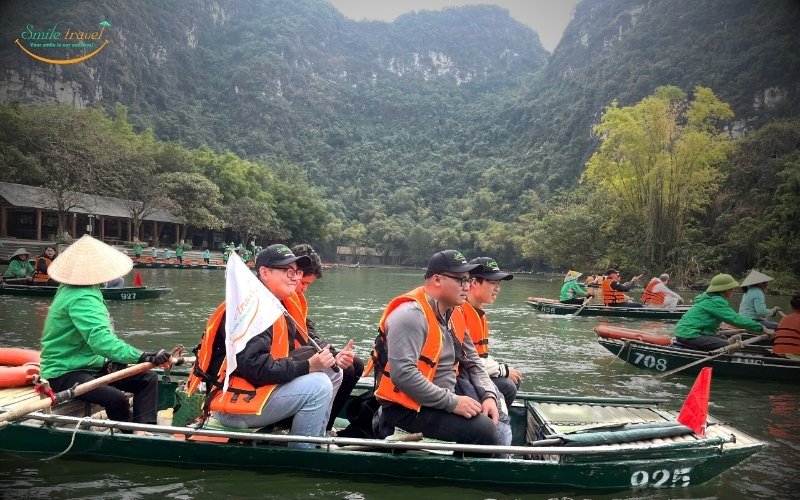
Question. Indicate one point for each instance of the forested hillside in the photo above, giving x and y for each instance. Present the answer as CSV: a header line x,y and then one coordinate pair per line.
x,y
450,128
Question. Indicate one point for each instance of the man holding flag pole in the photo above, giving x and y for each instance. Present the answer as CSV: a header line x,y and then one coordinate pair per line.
x,y
263,382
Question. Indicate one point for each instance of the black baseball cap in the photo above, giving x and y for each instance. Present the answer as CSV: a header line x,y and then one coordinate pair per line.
x,y
448,261
279,256
489,270
612,271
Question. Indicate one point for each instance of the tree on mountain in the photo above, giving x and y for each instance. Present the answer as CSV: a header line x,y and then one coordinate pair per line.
x,y
658,163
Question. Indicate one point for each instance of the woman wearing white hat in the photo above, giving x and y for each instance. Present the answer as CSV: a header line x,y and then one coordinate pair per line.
x,y
753,304
572,292
19,267
78,343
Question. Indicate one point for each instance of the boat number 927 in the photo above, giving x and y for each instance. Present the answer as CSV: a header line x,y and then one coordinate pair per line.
x,y
649,361
662,478
127,296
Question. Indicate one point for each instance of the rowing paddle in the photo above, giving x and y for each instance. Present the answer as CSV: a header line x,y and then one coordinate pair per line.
x,y
78,390
712,355
586,301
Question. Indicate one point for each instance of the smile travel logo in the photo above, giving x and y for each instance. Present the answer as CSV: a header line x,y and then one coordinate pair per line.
x,y
41,44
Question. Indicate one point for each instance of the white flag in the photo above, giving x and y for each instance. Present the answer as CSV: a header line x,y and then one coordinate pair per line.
x,y
250,308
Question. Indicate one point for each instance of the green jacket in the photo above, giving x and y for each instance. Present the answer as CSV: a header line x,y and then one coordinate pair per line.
x,y
77,334
572,289
19,269
705,316
137,249
179,252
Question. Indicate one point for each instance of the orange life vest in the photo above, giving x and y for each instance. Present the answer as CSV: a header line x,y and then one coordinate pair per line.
x,y
651,297
241,397
429,355
297,307
476,325
38,276
787,340
611,296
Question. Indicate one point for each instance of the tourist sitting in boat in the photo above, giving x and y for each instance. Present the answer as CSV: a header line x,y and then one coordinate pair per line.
x,y
78,342
167,254
284,385
154,252
20,268
115,283
572,292
43,262
416,361
787,335
699,326
753,304
656,295
483,290
351,365
614,291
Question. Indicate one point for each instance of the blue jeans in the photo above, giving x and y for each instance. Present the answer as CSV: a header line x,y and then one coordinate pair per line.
x,y
307,398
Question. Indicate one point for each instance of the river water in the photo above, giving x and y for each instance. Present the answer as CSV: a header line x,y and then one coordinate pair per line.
x,y
557,355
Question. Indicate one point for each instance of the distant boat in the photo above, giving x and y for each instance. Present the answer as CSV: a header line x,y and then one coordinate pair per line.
x,y
123,293
550,306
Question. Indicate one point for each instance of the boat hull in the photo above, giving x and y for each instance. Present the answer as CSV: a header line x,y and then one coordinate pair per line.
x,y
124,293
549,306
749,365
679,462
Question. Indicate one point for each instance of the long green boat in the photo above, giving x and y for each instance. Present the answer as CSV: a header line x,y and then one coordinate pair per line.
x,y
550,306
752,363
559,443
175,265
123,293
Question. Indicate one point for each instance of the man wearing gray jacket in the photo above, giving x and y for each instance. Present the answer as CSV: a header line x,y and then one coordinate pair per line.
x,y
424,351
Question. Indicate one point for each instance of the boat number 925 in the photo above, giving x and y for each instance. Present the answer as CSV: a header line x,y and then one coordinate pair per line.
x,y
649,361
662,478
127,296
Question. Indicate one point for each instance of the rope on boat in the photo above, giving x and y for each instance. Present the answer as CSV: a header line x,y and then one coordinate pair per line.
x,y
625,344
71,442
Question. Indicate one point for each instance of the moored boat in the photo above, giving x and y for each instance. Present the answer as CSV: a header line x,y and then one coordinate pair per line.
x,y
122,293
550,306
649,351
559,442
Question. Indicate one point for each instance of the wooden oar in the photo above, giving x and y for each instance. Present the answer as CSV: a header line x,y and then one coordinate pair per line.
x,y
581,307
68,394
712,355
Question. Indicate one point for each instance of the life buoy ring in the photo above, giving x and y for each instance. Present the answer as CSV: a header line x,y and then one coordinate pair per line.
x,y
20,366
617,333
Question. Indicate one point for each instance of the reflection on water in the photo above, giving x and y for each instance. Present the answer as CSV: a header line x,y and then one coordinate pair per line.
x,y
558,355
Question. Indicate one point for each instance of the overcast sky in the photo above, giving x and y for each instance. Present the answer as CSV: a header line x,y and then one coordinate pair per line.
x,y
547,17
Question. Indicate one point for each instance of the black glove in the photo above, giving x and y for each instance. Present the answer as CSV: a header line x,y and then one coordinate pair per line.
x,y
158,357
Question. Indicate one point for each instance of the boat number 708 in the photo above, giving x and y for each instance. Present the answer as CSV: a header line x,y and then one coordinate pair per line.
x,y
662,478
649,361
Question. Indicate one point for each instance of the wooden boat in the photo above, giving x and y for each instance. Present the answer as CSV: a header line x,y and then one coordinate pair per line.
x,y
150,263
559,442
645,350
550,306
123,293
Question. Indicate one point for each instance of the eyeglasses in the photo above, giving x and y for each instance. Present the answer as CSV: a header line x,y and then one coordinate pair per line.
x,y
292,273
463,281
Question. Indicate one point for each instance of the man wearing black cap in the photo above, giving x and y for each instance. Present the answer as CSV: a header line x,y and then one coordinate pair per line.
x,y
283,386
483,290
614,291
424,351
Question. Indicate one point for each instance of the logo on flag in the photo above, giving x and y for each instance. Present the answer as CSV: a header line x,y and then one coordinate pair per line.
x,y
250,308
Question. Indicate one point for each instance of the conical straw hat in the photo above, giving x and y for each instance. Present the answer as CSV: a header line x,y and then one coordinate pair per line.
x,y
89,262
572,275
20,251
755,278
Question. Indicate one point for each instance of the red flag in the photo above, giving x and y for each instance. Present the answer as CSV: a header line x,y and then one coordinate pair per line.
x,y
137,280
694,411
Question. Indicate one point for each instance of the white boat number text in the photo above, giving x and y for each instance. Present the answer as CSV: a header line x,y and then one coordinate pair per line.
x,y
127,296
547,309
662,478
649,361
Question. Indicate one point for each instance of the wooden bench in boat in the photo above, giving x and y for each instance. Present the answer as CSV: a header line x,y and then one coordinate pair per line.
x,y
14,397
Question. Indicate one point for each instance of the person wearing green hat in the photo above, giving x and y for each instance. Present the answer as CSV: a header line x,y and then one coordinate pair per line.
x,y
753,305
698,328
